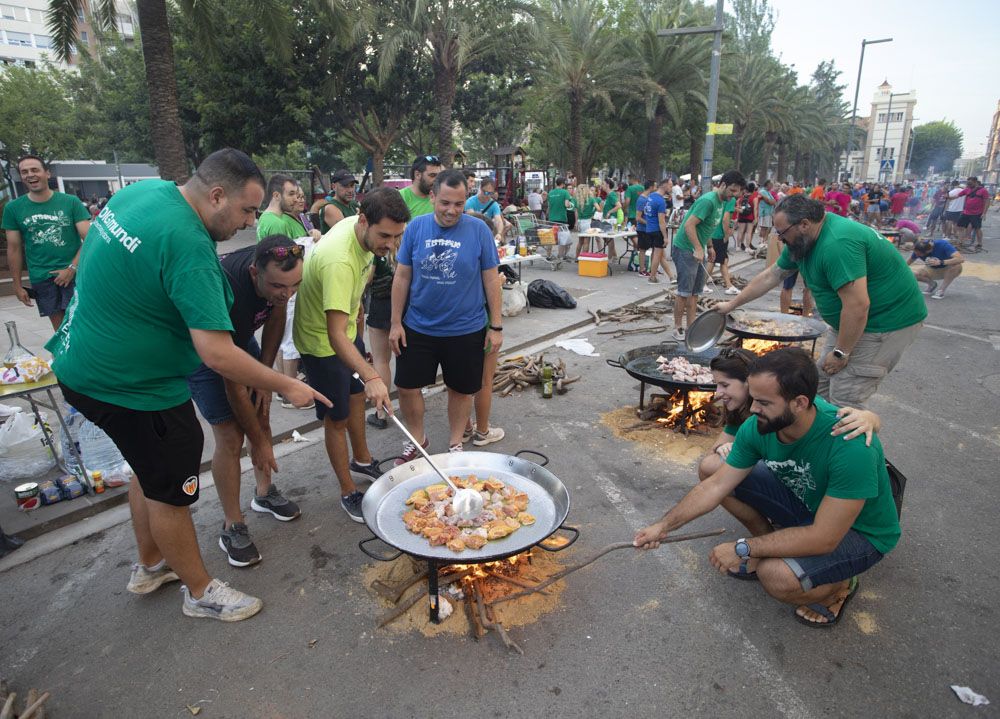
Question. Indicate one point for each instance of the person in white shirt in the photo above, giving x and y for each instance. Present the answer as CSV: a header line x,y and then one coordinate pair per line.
x,y
535,202
953,210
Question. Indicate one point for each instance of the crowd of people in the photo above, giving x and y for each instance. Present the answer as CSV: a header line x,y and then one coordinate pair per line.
x,y
416,270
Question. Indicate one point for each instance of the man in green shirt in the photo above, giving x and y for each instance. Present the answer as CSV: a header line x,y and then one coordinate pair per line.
x,y
631,194
560,201
861,287
612,202
691,245
328,333
151,304
830,496
342,204
45,230
280,216
423,172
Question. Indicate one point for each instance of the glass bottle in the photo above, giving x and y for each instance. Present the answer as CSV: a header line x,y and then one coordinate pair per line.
x,y
17,351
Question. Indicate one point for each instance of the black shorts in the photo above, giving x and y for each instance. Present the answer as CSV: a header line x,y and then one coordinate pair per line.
x,y
163,447
642,240
721,248
973,221
936,213
460,359
651,240
379,313
952,216
50,297
333,378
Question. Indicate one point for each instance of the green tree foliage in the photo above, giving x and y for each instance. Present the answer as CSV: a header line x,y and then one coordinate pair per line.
x,y
935,144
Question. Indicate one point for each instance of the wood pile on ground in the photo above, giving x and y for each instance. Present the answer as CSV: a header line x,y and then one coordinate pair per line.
x,y
519,373
33,703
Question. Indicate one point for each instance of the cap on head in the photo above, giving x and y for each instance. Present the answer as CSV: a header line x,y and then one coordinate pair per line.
x,y
343,177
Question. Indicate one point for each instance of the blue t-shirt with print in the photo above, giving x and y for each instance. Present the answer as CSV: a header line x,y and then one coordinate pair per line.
x,y
491,208
446,291
942,250
650,213
640,218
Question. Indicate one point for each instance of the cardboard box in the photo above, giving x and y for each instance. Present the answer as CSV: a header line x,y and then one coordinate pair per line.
x,y
592,264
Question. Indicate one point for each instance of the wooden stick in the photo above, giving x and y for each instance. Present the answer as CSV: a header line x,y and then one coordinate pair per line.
x,y
511,580
473,616
8,708
606,550
393,592
504,637
36,708
401,609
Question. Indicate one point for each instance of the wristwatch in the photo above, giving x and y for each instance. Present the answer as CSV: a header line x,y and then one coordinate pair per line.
x,y
742,548
71,266
496,329
840,354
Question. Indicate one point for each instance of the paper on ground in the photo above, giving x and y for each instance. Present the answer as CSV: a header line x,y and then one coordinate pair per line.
x,y
578,345
296,437
968,696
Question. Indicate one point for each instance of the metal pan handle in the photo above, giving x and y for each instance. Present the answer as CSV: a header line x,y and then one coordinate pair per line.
x,y
545,460
387,459
565,528
616,363
379,557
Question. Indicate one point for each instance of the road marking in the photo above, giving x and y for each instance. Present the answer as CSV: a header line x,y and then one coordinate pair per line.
x,y
993,339
953,426
786,700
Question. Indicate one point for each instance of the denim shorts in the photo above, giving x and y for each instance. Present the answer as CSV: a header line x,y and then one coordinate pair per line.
x,y
208,390
51,298
691,274
763,491
331,377
789,282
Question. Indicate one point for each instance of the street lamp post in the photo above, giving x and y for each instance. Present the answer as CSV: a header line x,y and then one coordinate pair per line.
x,y
854,112
885,135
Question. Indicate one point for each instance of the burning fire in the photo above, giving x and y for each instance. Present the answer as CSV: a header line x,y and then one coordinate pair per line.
x,y
681,417
762,347
507,567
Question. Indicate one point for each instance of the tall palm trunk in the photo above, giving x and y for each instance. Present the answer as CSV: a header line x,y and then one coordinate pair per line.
x,y
576,132
654,141
738,147
444,98
694,156
779,173
164,115
769,139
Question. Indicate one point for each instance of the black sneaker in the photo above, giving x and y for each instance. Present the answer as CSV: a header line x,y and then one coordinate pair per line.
x,y
369,470
352,505
235,542
377,422
276,504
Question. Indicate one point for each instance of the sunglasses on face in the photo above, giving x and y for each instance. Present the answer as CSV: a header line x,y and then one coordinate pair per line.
x,y
281,252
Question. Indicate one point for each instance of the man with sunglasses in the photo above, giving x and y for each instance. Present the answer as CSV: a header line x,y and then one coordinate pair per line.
x,y
861,287
485,202
151,303
263,278
423,172
328,332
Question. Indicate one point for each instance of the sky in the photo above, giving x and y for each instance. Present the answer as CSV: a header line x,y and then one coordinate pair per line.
x,y
948,52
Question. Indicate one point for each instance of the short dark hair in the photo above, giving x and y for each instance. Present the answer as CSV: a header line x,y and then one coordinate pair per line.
x,y
560,181
487,182
470,174
277,184
29,156
230,169
384,202
793,368
421,163
648,185
923,245
822,181
799,207
263,255
733,177
449,178
751,186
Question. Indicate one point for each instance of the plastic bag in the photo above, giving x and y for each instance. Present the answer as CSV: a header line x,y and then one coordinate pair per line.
x,y
515,299
547,294
23,454
564,236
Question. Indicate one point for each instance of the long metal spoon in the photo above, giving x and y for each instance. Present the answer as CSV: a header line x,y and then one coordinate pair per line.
x,y
468,503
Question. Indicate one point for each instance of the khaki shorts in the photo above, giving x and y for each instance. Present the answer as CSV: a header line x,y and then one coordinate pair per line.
x,y
935,273
874,356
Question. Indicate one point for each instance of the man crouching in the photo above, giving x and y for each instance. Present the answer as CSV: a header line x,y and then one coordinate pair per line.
x,y
830,497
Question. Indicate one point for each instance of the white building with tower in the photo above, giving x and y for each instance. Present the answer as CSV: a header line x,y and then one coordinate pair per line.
x,y
890,134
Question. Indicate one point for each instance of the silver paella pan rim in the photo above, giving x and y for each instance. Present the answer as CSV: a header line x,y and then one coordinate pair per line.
x,y
385,502
807,328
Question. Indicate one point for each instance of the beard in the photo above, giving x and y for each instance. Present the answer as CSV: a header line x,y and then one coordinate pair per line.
x,y
425,186
800,247
767,426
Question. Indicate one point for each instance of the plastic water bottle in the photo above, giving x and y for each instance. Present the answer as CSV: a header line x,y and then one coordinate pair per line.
x,y
101,455
69,439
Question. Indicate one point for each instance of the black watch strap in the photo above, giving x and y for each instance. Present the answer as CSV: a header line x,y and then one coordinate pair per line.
x,y
496,329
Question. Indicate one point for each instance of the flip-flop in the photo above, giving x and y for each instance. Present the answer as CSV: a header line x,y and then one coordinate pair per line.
x,y
831,618
743,574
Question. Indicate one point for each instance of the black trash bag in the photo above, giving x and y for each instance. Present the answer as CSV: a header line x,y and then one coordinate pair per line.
x,y
547,294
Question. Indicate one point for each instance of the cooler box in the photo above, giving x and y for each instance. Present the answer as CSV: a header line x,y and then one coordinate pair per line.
x,y
592,264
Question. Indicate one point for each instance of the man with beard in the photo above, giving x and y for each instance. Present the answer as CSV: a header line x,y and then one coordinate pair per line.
x,y
152,303
423,172
830,496
328,332
342,204
281,215
861,288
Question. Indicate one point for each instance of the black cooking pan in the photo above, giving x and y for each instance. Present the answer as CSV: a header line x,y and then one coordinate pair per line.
x,y
641,363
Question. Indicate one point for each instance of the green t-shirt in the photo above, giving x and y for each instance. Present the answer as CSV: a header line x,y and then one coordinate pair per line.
x,y
48,231
609,204
819,465
708,208
632,192
557,204
271,223
333,278
418,205
149,273
720,231
347,210
846,251
587,213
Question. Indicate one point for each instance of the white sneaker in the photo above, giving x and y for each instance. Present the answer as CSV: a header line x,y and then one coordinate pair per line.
x,y
456,448
938,295
732,291
678,334
493,434
145,580
222,602
708,289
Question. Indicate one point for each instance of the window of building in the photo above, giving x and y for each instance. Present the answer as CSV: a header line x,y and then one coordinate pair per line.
x,y
84,37
43,41
12,12
20,39
79,14
894,117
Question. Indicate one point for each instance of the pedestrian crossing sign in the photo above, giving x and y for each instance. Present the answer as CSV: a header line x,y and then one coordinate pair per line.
x,y
887,165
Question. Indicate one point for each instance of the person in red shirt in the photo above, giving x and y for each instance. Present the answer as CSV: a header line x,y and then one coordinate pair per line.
x,y
897,204
818,192
939,200
838,201
971,222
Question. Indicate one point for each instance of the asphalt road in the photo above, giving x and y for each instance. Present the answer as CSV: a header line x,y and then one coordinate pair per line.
x,y
637,635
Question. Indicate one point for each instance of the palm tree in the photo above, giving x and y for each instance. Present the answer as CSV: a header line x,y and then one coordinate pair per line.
x,y
580,59
753,89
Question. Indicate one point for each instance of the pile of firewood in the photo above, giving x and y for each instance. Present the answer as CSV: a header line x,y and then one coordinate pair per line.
x,y
518,373
32,703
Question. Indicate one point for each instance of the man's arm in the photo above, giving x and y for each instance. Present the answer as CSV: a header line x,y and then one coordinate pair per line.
x,y
66,275
702,499
691,230
400,294
332,215
853,318
271,334
758,287
834,519
493,288
15,261
662,217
